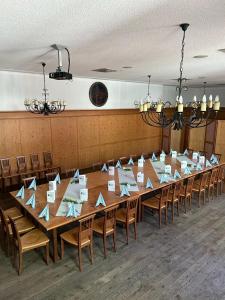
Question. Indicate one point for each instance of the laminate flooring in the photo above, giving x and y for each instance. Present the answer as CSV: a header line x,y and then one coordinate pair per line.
x,y
184,260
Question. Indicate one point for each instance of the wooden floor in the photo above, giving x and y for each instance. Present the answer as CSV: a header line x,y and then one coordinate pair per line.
x,y
181,261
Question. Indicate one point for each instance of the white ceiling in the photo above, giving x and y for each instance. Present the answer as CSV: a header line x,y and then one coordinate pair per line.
x,y
143,34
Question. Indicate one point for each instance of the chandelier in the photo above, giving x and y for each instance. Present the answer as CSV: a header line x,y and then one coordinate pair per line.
x,y
196,113
44,106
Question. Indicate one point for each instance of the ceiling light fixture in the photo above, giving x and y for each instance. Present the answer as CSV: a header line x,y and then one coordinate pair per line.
x,y
200,56
198,113
44,107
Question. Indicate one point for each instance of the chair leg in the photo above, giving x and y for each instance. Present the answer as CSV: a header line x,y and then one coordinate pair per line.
x,y
114,240
172,211
185,208
104,245
165,212
47,253
62,248
204,197
80,258
142,212
127,232
20,263
91,252
178,207
160,217
199,198
135,229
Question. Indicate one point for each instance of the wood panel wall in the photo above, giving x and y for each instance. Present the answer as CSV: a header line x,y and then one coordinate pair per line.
x,y
220,140
77,138
196,138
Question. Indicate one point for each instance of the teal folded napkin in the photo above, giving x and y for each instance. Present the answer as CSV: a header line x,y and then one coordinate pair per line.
x,y
76,174
45,213
131,162
176,175
57,179
154,158
207,164
20,193
187,171
33,185
214,160
124,191
104,168
100,201
149,184
164,178
198,167
186,152
118,165
31,201
72,212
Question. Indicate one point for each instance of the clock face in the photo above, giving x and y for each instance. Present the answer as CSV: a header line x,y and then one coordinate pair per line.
x,y
98,94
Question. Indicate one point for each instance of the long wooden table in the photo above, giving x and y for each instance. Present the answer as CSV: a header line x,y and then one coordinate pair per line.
x,y
97,182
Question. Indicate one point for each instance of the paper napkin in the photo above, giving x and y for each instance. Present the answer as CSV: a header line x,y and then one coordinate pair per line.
x,y
100,200
164,178
31,201
131,162
57,179
72,212
176,175
207,164
45,213
198,167
20,193
118,164
76,174
33,185
154,158
186,152
149,184
187,171
104,168
124,191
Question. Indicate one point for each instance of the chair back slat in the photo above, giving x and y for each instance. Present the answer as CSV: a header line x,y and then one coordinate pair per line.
x,y
5,166
4,223
47,159
86,228
51,176
16,236
204,180
27,181
97,166
176,190
110,162
189,186
35,163
164,195
21,163
110,218
213,176
220,174
132,205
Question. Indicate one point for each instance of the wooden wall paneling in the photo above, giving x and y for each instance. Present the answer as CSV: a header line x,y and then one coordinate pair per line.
x,y
64,142
176,140
210,138
166,138
197,138
220,140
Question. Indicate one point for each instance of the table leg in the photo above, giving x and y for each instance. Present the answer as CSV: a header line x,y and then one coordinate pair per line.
x,y
55,245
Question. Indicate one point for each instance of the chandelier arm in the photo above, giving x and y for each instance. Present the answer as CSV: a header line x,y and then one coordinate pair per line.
x,y
147,119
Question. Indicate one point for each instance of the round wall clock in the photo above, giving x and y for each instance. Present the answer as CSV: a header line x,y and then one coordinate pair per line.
x,y
98,94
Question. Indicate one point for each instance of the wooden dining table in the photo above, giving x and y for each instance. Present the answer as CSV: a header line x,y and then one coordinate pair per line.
x,y
96,182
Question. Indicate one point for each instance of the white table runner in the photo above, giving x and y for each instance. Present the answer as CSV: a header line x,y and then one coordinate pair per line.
x,y
126,176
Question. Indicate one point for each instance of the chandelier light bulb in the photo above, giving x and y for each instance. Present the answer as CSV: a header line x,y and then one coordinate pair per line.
x,y
195,99
211,98
204,99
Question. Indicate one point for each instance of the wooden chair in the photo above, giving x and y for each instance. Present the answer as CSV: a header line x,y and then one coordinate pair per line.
x,y
110,162
190,151
146,155
200,186
134,157
23,225
27,181
48,160
123,160
14,213
6,172
97,166
158,204
174,198
80,237
51,176
29,241
212,182
220,180
106,226
35,163
186,192
21,164
128,216
70,173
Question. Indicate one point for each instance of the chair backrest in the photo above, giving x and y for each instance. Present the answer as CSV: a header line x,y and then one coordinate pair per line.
x,y
204,180
146,155
213,176
35,163
51,176
123,159
16,236
134,157
221,173
21,163
27,181
110,218
164,195
70,173
189,186
5,166
97,166
86,228
110,162
190,150
4,223
176,190
47,159
132,205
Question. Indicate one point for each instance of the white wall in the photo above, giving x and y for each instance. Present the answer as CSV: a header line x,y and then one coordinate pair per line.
x,y
188,95
15,87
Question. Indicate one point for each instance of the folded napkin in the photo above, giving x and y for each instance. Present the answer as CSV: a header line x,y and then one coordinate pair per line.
x,y
176,175
76,174
214,160
142,157
207,164
187,171
72,212
20,193
100,200
33,185
154,158
198,167
104,168
124,191
164,178
186,152
57,179
31,201
131,162
118,164
149,184
45,213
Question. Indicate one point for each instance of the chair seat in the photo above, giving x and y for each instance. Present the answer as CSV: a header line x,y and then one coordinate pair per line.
x,y
153,203
121,215
14,213
23,225
99,225
170,198
71,237
33,239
